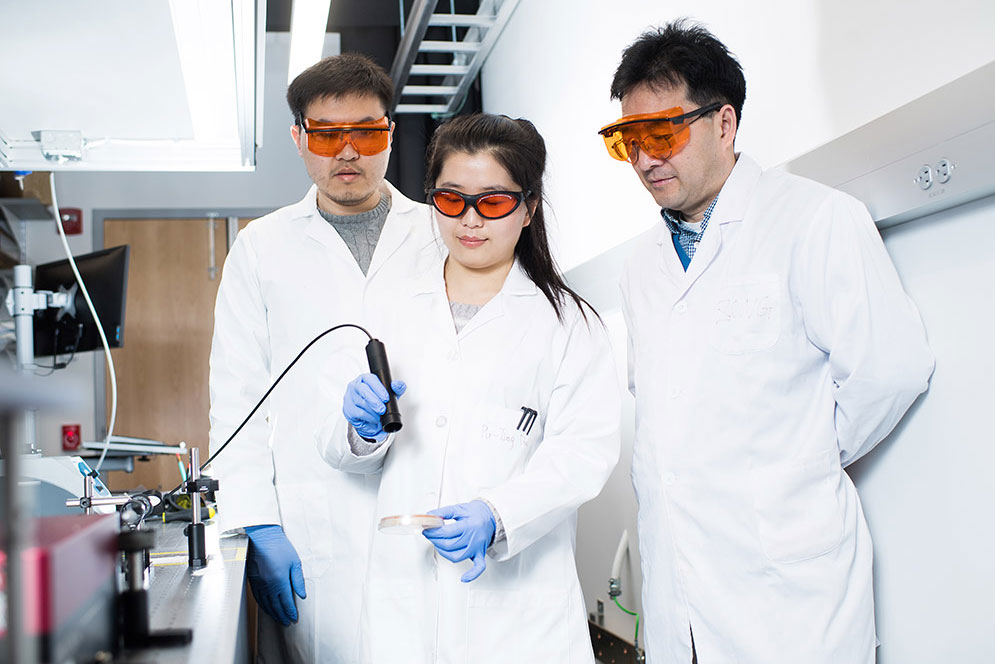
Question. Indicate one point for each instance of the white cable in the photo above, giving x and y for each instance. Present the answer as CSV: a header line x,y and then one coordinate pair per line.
x,y
623,545
96,319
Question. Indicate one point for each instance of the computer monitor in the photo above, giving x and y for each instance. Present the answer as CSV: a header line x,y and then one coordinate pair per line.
x,y
105,273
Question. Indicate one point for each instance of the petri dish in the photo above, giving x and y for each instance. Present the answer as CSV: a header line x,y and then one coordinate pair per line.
x,y
409,523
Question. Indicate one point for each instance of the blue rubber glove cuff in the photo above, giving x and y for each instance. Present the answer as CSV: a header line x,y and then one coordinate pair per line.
x,y
274,571
365,401
467,537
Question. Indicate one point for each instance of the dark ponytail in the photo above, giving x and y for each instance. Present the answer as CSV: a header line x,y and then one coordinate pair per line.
x,y
519,148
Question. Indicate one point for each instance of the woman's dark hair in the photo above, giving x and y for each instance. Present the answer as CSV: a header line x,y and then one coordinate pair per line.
x,y
682,52
337,76
519,148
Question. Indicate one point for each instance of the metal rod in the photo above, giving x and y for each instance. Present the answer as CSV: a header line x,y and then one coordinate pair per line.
x,y
212,264
194,495
100,501
88,493
23,314
17,534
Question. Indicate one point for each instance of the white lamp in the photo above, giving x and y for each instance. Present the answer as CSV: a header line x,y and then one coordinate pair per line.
x,y
307,34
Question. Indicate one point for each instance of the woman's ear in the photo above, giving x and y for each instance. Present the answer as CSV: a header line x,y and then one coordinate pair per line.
x,y
531,205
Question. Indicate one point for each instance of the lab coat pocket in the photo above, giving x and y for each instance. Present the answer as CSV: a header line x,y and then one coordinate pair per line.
x,y
517,626
306,522
394,622
746,316
501,446
799,515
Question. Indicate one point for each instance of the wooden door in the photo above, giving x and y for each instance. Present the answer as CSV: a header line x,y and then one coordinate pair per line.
x,y
162,368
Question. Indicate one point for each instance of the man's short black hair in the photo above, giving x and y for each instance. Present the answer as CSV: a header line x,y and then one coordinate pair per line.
x,y
682,52
337,76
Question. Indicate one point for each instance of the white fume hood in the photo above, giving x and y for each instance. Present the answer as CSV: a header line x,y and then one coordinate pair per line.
x,y
118,85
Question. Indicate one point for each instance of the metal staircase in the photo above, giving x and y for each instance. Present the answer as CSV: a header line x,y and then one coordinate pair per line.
x,y
444,69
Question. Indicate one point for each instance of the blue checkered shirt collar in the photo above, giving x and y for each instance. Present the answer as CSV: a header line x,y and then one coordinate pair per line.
x,y
688,238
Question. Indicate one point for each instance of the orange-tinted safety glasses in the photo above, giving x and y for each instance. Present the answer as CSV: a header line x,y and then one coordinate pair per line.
x,y
489,205
327,139
660,135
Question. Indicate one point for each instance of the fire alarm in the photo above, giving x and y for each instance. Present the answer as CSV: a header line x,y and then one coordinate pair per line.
x,y
72,221
70,437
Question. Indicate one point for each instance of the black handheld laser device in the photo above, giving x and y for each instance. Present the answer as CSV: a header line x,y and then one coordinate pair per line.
x,y
376,354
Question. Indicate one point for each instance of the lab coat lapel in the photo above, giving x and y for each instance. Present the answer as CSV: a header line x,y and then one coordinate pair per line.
x,y
400,225
731,208
321,231
516,284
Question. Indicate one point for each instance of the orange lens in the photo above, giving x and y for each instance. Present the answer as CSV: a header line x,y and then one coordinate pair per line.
x,y
448,203
328,140
659,139
489,205
495,206
656,134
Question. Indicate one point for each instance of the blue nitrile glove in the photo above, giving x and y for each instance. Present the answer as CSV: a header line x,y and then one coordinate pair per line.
x,y
363,404
274,571
468,537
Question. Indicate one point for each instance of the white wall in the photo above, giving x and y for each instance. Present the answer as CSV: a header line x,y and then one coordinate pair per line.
x,y
279,179
927,490
815,69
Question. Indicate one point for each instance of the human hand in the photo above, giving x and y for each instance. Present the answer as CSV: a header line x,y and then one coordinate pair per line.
x,y
468,537
274,571
364,403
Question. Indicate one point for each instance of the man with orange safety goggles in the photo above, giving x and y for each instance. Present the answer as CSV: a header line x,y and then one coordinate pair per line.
x,y
327,139
289,276
770,344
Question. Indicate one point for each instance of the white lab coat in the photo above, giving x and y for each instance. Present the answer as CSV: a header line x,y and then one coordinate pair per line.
x,y
459,442
288,277
787,350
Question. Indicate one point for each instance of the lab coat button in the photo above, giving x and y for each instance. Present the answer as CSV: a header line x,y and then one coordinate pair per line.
x,y
675,392
669,479
681,307
441,421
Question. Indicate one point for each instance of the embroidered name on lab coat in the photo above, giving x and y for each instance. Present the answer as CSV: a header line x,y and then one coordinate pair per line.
x,y
497,434
747,317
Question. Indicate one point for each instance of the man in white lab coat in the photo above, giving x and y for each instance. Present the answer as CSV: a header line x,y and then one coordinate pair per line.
x,y
291,275
770,344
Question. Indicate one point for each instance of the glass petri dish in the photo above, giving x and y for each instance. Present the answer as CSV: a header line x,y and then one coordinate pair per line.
x,y
409,523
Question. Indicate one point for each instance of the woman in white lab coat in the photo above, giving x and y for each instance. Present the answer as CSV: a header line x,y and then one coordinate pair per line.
x,y
510,424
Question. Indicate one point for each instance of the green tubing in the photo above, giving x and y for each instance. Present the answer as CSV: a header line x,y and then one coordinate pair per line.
x,y
635,640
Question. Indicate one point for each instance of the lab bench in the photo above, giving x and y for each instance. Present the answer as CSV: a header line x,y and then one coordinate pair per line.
x,y
210,600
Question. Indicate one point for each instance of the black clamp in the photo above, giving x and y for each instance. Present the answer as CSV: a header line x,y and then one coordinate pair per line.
x,y
200,485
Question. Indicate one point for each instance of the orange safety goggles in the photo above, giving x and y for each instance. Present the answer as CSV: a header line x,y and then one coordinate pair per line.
x,y
327,139
489,205
660,135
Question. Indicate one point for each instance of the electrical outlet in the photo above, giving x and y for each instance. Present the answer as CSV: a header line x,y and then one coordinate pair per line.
x,y
944,169
924,178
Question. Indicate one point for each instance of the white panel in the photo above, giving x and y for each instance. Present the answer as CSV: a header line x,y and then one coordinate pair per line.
x,y
927,490
110,69
154,86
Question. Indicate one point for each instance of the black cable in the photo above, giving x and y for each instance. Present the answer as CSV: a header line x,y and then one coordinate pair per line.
x,y
55,351
55,355
275,383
